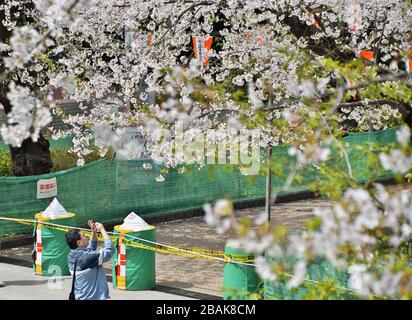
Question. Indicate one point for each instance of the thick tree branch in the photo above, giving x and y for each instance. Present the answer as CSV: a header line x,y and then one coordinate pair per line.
x,y
383,78
401,107
404,109
325,46
194,5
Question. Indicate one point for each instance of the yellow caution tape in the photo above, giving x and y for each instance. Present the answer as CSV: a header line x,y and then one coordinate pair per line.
x,y
237,258
163,249
17,220
203,251
178,251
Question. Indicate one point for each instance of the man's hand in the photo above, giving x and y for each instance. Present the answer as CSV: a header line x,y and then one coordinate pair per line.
x,y
92,225
99,226
101,229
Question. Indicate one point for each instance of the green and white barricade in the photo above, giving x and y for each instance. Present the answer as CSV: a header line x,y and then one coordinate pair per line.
x,y
133,267
318,271
240,280
50,247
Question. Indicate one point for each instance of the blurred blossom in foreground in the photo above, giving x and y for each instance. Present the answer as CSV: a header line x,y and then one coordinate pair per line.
x,y
220,215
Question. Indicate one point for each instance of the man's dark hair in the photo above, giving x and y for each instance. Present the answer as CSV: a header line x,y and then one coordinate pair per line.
x,y
72,237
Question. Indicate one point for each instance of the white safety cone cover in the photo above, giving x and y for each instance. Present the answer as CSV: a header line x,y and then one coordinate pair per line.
x,y
55,210
134,223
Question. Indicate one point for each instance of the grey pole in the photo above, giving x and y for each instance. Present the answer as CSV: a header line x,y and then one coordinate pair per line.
x,y
2,284
268,182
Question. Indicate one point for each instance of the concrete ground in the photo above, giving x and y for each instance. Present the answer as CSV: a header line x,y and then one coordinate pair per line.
x,y
176,277
22,284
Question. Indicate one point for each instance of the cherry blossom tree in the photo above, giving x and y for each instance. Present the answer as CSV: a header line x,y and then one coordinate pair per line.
x,y
98,50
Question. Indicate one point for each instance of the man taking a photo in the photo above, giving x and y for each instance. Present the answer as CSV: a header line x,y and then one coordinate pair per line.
x,y
91,282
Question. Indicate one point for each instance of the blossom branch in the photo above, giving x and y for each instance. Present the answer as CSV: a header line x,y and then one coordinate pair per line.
x,y
194,5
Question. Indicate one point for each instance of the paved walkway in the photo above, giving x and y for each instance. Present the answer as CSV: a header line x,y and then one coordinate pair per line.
x,y
22,284
176,277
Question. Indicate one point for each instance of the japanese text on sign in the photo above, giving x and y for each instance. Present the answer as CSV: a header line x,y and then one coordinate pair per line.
x,y
46,188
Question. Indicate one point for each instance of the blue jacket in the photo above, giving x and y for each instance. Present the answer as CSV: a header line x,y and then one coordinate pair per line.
x,y
91,282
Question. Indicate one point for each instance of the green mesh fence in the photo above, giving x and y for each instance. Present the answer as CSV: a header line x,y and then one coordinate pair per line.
x,y
107,190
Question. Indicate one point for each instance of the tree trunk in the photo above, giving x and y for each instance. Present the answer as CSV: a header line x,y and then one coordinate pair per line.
x,y
32,158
